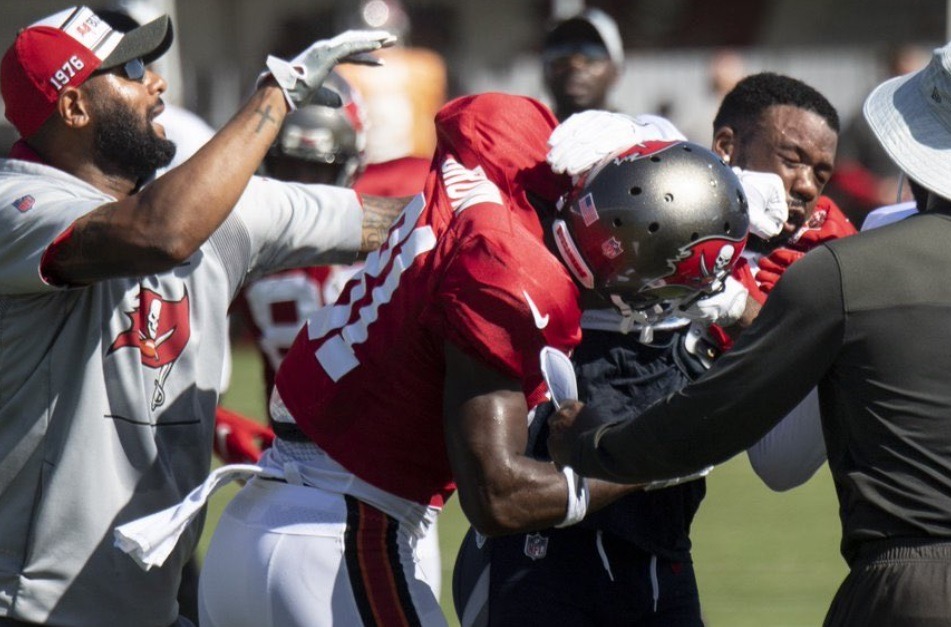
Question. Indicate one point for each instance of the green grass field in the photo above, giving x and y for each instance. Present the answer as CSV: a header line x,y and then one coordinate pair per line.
x,y
763,559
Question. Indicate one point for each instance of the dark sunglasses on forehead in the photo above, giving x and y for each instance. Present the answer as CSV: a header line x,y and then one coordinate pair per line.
x,y
134,70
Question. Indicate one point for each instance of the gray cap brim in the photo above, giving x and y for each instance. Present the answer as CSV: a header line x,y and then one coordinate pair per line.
x,y
591,24
148,42
911,118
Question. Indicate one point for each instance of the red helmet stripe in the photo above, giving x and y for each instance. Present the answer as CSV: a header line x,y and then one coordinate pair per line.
x,y
570,255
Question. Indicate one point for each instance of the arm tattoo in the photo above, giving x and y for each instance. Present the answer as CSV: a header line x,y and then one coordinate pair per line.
x,y
265,117
378,215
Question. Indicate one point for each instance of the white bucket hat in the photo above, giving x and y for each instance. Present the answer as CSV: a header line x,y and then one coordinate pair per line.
x,y
911,117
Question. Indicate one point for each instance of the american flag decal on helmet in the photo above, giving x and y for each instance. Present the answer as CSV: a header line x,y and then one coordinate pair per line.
x,y
589,211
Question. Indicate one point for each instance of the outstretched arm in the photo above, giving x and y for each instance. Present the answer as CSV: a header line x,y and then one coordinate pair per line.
x,y
166,222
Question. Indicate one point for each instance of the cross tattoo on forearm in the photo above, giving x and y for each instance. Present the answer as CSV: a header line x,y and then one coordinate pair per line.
x,y
265,117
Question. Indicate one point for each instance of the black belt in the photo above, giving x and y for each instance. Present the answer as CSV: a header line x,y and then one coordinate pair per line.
x,y
903,549
289,431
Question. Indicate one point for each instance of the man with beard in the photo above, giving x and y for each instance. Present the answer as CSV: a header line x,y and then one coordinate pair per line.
x,y
582,58
114,298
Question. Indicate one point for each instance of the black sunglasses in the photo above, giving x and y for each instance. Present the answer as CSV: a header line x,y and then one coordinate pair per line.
x,y
134,70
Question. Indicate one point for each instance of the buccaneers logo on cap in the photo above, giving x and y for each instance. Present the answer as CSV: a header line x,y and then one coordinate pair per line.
x,y
160,329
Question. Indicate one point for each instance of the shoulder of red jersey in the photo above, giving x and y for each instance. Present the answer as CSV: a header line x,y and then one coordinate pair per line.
x,y
504,296
507,136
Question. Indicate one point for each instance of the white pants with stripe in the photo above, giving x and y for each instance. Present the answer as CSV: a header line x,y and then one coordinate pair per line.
x,y
292,555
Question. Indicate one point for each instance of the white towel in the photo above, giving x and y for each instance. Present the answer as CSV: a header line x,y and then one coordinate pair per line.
x,y
559,375
149,540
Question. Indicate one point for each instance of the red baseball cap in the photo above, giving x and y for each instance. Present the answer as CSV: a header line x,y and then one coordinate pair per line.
x,y
65,49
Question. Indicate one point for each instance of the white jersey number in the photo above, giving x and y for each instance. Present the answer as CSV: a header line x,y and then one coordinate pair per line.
x,y
280,304
336,354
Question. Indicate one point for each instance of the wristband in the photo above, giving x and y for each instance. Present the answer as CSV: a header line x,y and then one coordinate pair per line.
x,y
579,496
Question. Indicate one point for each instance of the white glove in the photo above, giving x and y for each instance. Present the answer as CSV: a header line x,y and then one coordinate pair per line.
x,y
300,78
725,307
585,139
766,194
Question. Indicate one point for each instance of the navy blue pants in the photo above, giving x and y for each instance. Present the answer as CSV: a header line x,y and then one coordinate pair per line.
x,y
628,564
575,577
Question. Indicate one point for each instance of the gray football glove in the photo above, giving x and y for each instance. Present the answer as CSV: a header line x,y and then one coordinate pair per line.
x,y
300,78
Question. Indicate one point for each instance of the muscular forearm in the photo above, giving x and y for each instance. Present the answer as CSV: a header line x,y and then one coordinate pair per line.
x,y
531,495
379,213
166,222
501,489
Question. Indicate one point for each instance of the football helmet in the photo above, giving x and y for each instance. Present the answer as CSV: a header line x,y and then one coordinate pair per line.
x,y
326,135
653,227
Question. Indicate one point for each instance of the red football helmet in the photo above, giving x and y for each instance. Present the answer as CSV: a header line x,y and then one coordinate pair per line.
x,y
654,226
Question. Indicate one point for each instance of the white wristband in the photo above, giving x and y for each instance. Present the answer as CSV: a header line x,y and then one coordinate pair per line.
x,y
578,497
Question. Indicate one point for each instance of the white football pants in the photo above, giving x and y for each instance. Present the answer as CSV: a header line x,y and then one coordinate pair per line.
x,y
290,555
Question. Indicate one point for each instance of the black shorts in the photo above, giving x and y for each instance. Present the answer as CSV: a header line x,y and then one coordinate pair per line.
x,y
573,576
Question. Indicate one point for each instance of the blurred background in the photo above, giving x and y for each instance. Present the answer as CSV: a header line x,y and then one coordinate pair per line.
x,y
680,57
837,47
762,558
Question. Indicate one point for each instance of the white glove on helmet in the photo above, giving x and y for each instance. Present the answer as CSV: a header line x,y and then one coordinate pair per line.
x,y
585,139
766,194
724,307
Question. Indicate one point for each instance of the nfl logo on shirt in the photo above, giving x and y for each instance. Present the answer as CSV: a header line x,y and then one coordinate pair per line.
x,y
536,546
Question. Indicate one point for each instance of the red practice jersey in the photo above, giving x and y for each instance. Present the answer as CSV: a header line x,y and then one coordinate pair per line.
x,y
465,263
276,306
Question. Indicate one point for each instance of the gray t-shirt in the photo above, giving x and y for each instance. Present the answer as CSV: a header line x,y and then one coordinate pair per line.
x,y
108,392
868,319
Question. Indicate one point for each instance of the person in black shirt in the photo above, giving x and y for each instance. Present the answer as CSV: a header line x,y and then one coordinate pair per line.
x,y
867,319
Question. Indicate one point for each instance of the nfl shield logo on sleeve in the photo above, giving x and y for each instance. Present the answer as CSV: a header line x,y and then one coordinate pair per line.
x,y
536,546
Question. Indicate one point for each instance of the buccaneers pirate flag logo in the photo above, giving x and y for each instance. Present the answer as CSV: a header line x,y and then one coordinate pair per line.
x,y
704,264
160,330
